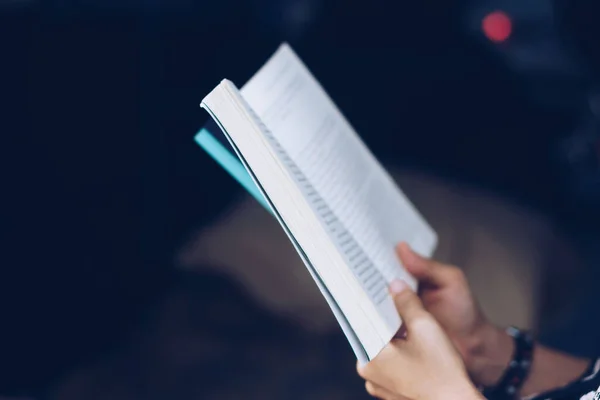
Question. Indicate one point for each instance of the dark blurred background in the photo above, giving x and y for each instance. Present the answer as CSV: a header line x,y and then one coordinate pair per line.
x,y
102,180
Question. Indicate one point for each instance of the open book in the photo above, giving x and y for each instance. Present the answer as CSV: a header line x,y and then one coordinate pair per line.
x,y
339,207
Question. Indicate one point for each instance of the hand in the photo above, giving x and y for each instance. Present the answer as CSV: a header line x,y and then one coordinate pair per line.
x,y
424,365
445,293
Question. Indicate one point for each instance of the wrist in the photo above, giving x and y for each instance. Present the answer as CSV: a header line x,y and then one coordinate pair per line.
x,y
489,354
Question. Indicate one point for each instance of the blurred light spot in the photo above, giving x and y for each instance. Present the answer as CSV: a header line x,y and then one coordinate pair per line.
x,y
497,26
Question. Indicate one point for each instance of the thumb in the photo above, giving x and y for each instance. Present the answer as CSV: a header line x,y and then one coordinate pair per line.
x,y
425,270
407,303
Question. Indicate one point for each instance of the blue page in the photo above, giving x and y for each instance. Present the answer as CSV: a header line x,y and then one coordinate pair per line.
x,y
212,140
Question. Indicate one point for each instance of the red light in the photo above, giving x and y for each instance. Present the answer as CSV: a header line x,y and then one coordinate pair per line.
x,y
497,26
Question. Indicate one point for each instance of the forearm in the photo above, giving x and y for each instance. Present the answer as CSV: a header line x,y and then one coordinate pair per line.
x,y
550,369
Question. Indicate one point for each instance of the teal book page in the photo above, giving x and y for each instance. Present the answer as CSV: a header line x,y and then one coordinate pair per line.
x,y
212,140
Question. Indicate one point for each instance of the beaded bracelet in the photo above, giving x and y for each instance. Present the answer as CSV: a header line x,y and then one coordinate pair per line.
x,y
518,369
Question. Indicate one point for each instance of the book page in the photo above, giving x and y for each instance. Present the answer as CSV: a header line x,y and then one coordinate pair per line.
x,y
262,196
294,201
359,199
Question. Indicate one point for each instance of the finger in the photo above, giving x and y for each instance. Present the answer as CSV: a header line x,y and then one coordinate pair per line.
x,y
407,303
380,392
375,371
426,271
362,369
383,368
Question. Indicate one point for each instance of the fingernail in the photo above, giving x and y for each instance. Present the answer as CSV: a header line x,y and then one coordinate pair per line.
x,y
398,286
